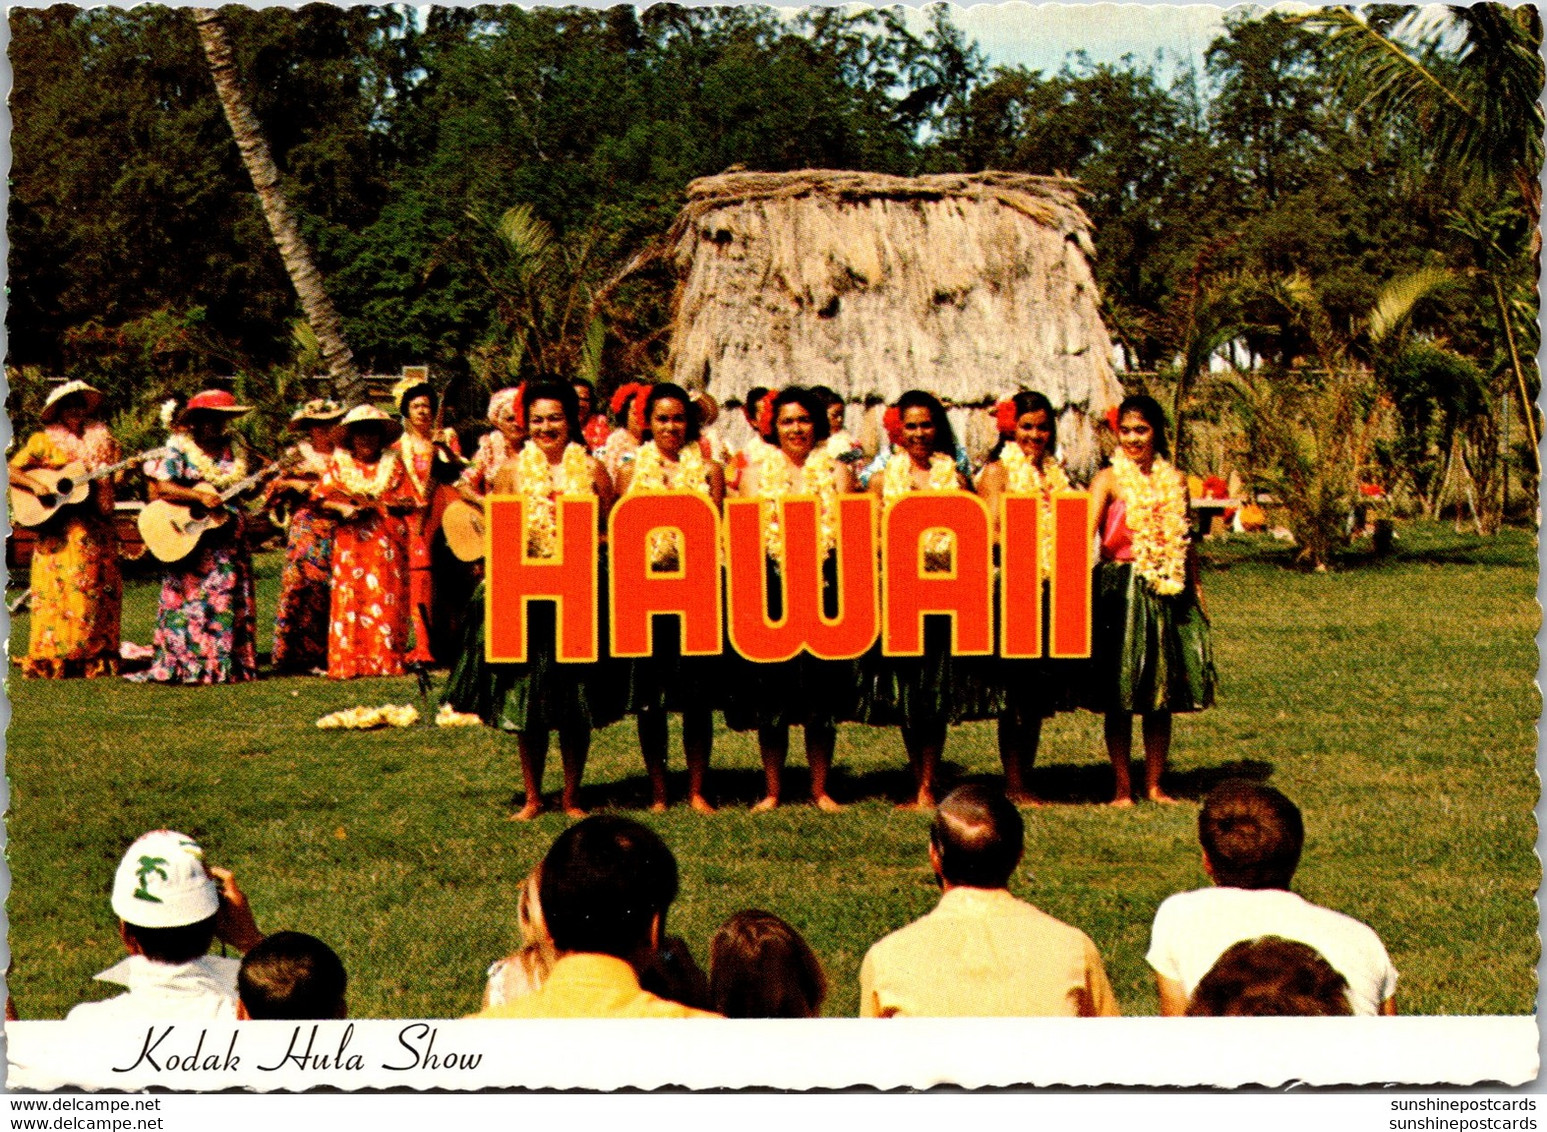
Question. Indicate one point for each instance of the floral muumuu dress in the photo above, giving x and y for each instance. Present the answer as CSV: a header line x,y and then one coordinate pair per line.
x,y
206,627
368,622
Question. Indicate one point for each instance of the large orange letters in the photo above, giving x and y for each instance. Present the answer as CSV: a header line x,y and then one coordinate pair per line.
x,y
568,579
964,592
1020,590
691,592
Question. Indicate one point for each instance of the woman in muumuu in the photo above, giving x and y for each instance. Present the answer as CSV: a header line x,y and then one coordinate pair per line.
x,y
804,691
367,492
671,459
1025,462
921,695
306,585
206,626
1150,651
541,695
77,590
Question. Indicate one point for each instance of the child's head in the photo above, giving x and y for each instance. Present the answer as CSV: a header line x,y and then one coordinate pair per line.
x,y
760,967
291,976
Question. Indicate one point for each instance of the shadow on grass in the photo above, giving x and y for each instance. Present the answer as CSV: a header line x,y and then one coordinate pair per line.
x,y
1059,783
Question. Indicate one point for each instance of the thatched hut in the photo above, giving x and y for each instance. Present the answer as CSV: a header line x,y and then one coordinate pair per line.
x,y
970,286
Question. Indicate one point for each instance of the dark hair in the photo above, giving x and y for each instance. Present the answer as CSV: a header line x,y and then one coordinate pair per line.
x,y
418,389
551,389
172,945
1270,977
604,881
674,974
182,944
292,976
754,398
1154,416
978,835
945,436
807,400
586,381
1251,834
760,967
828,396
666,391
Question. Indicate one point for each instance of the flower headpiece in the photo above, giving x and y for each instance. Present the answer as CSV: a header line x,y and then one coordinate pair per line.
x,y
1112,419
635,390
891,420
765,416
1005,416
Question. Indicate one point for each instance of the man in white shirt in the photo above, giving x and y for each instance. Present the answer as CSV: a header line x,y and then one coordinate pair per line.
x,y
170,908
1252,836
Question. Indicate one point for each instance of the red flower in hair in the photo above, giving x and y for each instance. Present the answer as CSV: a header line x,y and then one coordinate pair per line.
x,y
636,411
1004,416
620,397
765,417
891,420
1112,418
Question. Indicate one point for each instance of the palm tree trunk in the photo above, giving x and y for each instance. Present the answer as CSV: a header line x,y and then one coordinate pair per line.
x,y
1527,410
292,246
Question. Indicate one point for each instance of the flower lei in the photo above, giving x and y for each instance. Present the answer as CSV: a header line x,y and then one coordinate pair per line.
x,y
308,461
1025,478
1157,518
357,483
539,489
897,481
653,474
776,478
210,471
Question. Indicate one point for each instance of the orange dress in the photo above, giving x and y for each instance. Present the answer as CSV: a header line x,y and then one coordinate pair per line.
x,y
368,613
427,609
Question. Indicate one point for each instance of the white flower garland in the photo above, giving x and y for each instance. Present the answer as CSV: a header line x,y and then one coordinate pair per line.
x,y
777,477
1157,519
411,447
538,488
357,483
652,473
897,481
209,470
1022,477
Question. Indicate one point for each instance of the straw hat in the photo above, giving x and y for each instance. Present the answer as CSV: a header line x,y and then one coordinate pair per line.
x,y
319,410
91,395
369,416
217,401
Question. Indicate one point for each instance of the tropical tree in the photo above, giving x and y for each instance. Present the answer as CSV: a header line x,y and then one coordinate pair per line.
x,y
292,245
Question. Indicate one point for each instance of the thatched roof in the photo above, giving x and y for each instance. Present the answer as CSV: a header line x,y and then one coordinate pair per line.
x,y
970,286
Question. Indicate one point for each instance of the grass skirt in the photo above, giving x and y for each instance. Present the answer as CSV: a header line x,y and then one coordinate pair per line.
x,y
926,691
1148,653
540,694
1036,689
668,681
800,692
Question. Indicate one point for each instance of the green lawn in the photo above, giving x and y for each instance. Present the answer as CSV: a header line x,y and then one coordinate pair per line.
x,y
1394,701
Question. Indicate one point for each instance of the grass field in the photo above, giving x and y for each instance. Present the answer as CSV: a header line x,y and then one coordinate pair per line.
x,y
1395,701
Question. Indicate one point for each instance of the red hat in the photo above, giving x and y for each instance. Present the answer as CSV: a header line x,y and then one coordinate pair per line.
x,y
213,401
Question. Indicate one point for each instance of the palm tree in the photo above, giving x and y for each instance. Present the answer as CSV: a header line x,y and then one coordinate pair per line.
x,y
293,249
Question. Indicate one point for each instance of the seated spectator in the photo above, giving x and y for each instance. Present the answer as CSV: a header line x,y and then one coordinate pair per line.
x,y
1252,836
524,971
170,908
1270,977
982,952
291,976
605,888
760,967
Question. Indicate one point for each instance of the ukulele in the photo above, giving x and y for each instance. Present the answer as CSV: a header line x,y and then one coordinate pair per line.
x,y
172,530
63,487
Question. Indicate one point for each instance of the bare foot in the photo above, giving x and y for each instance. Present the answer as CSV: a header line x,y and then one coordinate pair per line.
x,y
1121,802
1026,798
924,802
825,803
657,807
528,811
768,803
574,812
699,804
1159,795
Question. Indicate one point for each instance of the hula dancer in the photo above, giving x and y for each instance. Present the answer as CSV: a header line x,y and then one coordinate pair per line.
x,y
305,587
803,691
1024,463
920,694
540,695
671,460
1151,655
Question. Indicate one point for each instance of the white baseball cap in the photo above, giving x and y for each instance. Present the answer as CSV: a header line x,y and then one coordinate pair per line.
x,y
161,882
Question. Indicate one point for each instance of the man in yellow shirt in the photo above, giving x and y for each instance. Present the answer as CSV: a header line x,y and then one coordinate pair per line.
x,y
605,886
982,952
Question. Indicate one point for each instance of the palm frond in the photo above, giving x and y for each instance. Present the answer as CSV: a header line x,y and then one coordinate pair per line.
x,y
1395,301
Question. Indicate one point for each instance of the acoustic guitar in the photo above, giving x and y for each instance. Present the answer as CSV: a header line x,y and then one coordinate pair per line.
x,y
464,526
172,530
63,487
